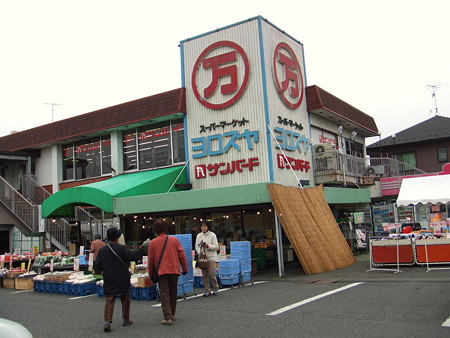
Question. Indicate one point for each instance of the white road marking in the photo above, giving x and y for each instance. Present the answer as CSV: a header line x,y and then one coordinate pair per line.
x,y
446,323
312,299
79,297
22,291
201,294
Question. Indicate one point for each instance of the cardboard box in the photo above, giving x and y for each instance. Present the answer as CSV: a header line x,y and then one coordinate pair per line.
x,y
8,283
24,284
144,282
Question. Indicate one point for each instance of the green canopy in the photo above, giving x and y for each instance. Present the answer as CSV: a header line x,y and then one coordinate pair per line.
x,y
101,194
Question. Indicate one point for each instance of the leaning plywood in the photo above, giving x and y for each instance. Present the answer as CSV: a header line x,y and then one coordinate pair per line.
x,y
311,228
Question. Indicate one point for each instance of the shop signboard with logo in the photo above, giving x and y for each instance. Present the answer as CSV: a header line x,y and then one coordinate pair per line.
x,y
246,108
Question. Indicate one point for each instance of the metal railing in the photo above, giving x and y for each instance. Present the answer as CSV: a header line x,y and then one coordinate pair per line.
x,y
337,166
21,207
33,191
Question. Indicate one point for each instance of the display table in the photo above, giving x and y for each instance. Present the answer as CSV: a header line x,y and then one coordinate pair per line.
x,y
433,251
392,251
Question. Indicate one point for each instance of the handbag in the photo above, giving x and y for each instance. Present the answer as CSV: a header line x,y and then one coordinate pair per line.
x,y
202,262
155,275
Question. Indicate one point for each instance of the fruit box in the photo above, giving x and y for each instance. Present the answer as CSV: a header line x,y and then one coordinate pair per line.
x,y
24,284
8,283
144,282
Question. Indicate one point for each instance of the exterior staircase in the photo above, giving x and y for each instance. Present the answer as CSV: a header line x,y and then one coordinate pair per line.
x,y
25,209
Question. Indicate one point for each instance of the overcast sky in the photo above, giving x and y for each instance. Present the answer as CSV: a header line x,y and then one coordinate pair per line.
x,y
379,56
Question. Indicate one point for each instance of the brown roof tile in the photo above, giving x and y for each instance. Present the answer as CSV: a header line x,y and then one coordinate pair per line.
x,y
319,99
150,107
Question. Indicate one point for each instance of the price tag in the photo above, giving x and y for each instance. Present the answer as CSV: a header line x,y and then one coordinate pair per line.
x,y
51,265
91,261
22,266
76,264
145,260
133,267
81,250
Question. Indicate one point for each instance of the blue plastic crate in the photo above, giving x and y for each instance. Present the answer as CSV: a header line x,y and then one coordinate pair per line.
x,y
49,287
198,282
148,293
84,289
229,279
100,291
66,288
135,293
39,286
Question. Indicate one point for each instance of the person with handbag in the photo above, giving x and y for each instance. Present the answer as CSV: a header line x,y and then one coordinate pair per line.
x,y
166,259
113,261
206,243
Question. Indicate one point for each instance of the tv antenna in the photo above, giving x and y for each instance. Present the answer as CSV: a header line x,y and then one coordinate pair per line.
x,y
53,106
434,88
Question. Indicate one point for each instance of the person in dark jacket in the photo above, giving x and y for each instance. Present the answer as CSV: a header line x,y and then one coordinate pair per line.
x,y
113,261
173,263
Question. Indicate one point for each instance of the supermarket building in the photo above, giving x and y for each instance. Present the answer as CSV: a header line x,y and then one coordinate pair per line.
x,y
243,118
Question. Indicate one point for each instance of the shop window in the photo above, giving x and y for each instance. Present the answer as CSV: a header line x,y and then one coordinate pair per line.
x,y
154,146
87,159
442,155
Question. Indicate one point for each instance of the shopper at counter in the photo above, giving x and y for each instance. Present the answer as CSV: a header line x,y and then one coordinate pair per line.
x,y
207,240
96,245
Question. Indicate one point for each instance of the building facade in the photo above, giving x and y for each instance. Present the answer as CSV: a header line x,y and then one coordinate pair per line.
x,y
243,118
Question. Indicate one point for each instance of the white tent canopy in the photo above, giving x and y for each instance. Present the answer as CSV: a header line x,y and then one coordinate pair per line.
x,y
424,190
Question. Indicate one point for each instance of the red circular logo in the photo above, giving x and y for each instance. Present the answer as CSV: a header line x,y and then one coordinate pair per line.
x,y
220,75
288,76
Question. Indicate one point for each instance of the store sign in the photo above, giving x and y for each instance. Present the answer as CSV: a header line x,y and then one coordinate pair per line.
x,y
222,124
219,144
204,170
288,76
223,59
292,141
286,162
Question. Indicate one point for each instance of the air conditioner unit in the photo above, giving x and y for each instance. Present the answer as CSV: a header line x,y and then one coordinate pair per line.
x,y
323,148
375,170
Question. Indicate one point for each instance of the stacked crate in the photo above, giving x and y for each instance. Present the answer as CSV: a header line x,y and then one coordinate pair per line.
x,y
242,251
186,282
230,272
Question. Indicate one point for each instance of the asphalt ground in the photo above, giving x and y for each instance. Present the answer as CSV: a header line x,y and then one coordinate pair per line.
x,y
362,271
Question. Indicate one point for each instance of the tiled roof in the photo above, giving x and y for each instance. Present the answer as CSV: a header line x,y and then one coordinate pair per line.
x,y
435,128
318,100
147,108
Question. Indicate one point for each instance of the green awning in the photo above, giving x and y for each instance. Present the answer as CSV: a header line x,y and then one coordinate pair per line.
x,y
101,194
346,195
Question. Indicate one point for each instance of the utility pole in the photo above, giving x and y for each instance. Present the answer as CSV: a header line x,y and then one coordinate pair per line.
x,y
53,106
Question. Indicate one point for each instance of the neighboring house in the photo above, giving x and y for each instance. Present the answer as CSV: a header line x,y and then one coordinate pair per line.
x,y
421,150
425,146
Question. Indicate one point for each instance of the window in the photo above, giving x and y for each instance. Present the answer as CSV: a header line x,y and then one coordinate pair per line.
x,y
86,159
154,146
409,162
442,155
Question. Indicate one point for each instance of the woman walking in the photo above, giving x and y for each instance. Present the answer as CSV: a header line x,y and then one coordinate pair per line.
x,y
169,251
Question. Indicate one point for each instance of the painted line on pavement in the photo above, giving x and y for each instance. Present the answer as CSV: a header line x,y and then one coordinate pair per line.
x,y
80,297
22,291
446,323
312,299
201,294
